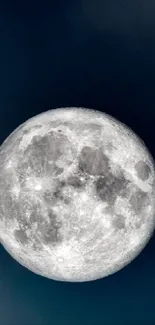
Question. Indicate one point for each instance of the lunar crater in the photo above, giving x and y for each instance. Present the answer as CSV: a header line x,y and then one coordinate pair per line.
x,y
143,170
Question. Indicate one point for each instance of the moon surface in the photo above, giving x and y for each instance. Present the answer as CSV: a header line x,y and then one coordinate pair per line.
x,y
77,194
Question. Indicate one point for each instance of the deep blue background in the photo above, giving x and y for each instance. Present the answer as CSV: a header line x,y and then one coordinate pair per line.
x,y
97,54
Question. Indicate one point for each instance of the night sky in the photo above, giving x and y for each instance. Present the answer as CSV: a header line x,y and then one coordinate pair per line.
x,y
90,53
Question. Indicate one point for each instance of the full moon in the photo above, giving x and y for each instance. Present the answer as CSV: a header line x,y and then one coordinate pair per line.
x,y
77,194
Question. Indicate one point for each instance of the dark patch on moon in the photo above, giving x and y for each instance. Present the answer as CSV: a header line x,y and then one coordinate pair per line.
x,y
139,222
143,170
34,217
47,231
119,221
12,208
28,130
93,127
110,186
37,244
21,236
34,210
51,196
81,127
8,205
43,153
139,200
51,230
93,161
57,194
109,146
75,181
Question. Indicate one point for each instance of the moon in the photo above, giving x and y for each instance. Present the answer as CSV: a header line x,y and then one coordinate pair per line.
x,y
77,194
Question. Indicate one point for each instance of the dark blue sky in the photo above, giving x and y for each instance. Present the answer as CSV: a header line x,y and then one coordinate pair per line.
x,y
91,53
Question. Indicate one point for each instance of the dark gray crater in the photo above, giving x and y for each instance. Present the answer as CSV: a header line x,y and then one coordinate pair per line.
x,y
110,186
21,236
139,200
143,170
93,161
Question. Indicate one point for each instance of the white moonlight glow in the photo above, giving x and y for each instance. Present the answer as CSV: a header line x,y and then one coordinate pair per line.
x,y
77,194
